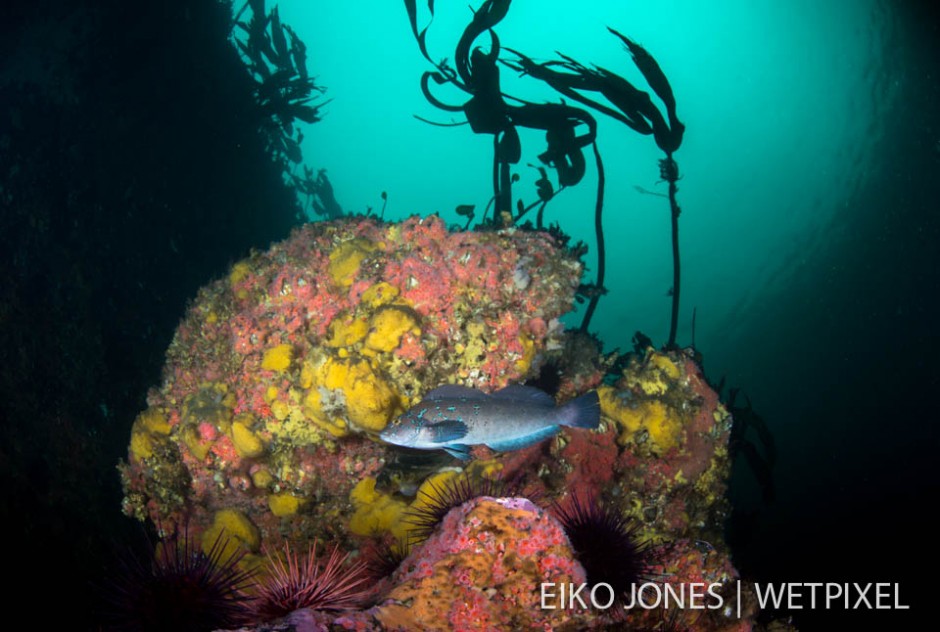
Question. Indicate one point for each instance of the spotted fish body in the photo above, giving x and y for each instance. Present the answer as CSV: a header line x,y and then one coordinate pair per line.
x,y
454,418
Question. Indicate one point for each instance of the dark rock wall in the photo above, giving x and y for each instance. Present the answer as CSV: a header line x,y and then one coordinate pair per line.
x,y
131,173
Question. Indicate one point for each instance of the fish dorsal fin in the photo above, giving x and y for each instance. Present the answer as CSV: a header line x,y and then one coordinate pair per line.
x,y
445,431
451,391
527,394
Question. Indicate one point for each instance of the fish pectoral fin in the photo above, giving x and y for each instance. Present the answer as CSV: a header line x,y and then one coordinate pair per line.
x,y
458,450
524,441
447,430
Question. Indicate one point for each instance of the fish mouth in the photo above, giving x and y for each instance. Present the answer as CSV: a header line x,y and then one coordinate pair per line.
x,y
389,435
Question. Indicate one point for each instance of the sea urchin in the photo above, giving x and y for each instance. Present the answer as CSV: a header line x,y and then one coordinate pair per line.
x,y
605,543
181,588
292,583
435,503
384,557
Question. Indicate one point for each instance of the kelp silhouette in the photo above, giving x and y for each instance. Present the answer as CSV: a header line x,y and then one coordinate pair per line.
x,y
635,109
283,88
487,112
317,193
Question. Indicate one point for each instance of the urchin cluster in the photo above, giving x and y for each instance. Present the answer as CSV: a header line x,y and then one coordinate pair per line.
x,y
182,587
292,583
605,543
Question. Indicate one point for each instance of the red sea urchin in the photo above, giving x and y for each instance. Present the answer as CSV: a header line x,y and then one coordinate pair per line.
x,y
291,583
605,543
181,588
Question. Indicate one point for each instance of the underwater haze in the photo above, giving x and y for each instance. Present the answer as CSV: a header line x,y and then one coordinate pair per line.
x,y
140,160
785,105
808,168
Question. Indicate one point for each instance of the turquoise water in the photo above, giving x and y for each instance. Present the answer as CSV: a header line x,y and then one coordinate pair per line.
x,y
784,104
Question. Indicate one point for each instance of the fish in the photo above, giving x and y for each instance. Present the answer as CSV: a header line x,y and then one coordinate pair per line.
x,y
454,418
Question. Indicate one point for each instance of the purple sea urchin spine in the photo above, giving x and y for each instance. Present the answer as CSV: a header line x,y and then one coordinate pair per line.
x,y
604,542
181,588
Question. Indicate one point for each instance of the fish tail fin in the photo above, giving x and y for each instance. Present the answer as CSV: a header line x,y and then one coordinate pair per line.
x,y
581,412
